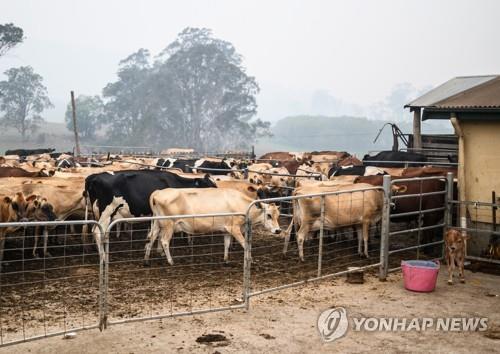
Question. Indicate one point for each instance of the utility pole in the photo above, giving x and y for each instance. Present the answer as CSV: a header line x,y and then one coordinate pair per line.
x,y
77,143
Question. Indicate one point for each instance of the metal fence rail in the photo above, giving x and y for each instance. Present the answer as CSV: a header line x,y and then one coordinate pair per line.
x,y
481,227
198,281
73,287
398,237
331,254
48,293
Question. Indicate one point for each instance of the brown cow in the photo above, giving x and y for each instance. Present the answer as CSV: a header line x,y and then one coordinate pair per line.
x,y
360,209
19,172
455,243
11,210
278,155
412,204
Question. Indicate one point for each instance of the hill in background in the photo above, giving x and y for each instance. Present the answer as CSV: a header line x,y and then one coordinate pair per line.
x,y
344,133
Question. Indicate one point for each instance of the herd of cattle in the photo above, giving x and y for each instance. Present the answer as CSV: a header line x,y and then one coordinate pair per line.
x,y
43,185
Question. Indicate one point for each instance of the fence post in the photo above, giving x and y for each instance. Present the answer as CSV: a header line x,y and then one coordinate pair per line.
x,y
321,231
247,260
384,237
105,277
448,198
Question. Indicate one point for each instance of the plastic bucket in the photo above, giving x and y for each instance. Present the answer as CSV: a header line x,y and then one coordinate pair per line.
x,y
420,276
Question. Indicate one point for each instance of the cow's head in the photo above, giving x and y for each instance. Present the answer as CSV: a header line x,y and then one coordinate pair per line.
x,y
40,209
455,240
268,216
17,206
205,182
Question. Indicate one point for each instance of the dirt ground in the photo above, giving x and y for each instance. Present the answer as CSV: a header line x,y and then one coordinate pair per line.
x,y
285,321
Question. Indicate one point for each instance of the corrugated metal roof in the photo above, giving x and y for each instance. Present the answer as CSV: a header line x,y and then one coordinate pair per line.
x,y
484,96
450,89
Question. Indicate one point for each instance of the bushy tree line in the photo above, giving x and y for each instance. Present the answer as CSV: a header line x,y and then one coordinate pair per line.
x,y
195,93
23,97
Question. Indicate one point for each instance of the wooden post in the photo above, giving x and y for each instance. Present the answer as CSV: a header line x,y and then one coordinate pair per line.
x,y
417,132
77,143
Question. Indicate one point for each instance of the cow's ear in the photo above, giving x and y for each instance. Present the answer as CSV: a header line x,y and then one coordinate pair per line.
x,y
402,189
31,198
7,200
52,172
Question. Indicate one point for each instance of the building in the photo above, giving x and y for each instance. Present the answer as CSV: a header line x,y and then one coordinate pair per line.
x,y
472,104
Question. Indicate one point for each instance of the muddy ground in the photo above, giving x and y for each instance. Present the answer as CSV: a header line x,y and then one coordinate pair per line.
x,y
62,292
285,321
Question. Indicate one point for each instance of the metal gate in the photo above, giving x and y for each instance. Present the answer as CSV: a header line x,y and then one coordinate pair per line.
x,y
197,280
52,289
330,255
407,230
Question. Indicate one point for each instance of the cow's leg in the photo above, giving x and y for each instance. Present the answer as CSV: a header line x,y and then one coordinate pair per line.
x,y
227,244
235,231
287,238
45,242
366,235
301,237
461,267
72,229
451,267
167,231
359,231
37,230
152,236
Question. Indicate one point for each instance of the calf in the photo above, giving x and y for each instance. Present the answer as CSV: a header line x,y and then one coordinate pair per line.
x,y
455,244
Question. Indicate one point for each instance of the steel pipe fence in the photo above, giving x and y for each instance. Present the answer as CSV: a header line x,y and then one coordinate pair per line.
x,y
331,248
481,228
73,287
415,222
50,289
141,284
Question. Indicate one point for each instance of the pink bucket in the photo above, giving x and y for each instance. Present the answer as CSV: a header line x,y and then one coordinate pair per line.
x,y
420,276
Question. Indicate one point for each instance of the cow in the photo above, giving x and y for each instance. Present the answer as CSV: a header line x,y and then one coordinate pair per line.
x,y
455,244
19,209
350,161
65,196
327,156
184,164
28,152
247,188
402,156
278,156
413,204
19,172
206,201
212,165
355,171
125,194
360,209
254,172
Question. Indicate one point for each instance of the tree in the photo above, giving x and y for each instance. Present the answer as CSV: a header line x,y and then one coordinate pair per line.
x,y
89,114
10,36
127,99
23,98
197,94
209,99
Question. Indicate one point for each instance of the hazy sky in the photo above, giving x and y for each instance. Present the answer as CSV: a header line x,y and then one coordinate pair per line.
x,y
356,51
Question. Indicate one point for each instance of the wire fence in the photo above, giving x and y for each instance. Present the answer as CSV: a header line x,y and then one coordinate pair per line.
x,y
178,265
52,289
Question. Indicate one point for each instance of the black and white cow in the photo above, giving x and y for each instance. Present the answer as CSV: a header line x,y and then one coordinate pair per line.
x,y
125,194
183,164
355,171
394,156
